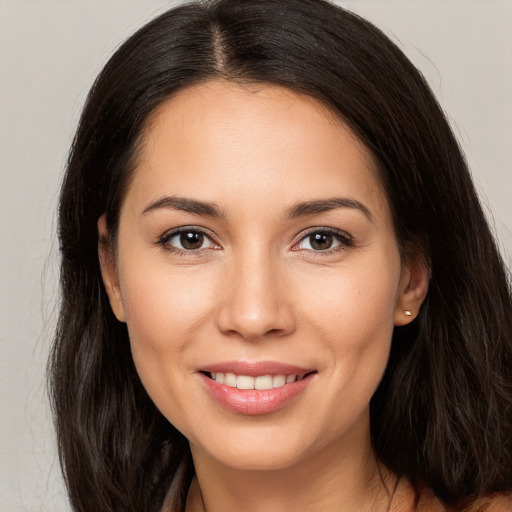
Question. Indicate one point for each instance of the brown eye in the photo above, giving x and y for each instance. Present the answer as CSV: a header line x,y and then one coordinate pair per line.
x,y
191,240
187,240
324,241
320,241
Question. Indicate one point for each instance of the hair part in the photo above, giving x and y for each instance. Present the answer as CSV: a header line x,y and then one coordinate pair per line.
x,y
442,413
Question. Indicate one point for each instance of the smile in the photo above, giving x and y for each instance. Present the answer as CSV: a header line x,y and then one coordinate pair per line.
x,y
248,382
255,388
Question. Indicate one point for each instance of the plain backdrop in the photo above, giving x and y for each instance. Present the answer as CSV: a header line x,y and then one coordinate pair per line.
x,y
50,52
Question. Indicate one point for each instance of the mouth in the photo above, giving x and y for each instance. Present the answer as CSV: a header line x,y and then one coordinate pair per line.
x,y
256,388
259,382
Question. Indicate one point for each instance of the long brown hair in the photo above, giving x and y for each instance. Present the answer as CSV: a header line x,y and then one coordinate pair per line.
x,y
442,414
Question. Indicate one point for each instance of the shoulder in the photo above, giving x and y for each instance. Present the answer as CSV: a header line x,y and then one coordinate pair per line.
x,y
406,499
492,503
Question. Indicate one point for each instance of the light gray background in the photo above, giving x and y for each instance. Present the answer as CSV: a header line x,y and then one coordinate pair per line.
x,y
50,52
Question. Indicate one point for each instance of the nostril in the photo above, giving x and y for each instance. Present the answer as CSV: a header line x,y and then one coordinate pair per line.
x,y
273,331
255,313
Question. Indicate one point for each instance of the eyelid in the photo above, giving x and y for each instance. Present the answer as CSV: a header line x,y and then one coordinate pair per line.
x,y
345,240
163,239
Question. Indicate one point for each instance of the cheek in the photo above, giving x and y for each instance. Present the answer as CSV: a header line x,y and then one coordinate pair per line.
x,y
164,312
352,312
354,301
163,304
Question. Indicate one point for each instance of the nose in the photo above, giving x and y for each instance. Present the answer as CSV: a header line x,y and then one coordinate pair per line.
x,y
256,302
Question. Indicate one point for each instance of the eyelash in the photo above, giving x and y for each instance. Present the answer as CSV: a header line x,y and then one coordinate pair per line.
x,y
344,239
163,241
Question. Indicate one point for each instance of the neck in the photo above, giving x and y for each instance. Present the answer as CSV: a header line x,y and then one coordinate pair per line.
x,y
342,476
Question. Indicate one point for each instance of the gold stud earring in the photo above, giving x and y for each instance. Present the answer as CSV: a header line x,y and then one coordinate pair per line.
x,y
407,312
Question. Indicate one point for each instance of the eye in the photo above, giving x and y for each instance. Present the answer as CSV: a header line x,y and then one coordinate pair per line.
x,y
187,239
323,240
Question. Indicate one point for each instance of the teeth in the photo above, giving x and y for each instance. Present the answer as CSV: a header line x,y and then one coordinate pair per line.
x,y
248,382
230,380
278,381
244,382
263,382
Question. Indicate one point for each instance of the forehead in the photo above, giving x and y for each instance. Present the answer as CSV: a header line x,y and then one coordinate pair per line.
x,y
225,139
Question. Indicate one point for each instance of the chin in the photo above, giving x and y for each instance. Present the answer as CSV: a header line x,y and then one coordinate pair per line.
x,y
255,452
260,460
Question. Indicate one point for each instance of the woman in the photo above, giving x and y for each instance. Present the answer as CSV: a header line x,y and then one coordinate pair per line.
x,y
279,290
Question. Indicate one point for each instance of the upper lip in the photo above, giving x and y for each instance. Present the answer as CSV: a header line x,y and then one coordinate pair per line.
x,y
256,368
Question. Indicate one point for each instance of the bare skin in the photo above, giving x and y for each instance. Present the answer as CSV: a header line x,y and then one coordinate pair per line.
x,y
255,229
322,482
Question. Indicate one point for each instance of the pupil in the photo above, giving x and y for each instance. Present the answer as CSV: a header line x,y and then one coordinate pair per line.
x,y
321,241
191,240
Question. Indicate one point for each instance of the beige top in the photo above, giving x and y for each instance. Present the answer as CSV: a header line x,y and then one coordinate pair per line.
x,y
404,500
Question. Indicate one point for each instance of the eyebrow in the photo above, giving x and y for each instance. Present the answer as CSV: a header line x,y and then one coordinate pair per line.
x,y
186,205
302,209
315,207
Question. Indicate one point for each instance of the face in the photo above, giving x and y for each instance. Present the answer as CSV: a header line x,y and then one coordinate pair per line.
x,y
258,273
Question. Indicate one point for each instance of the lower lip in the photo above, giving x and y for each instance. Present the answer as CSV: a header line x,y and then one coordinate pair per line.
x,y
255,401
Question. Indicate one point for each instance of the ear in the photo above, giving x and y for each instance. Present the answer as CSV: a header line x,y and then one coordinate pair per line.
x,y
413,287
109,271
